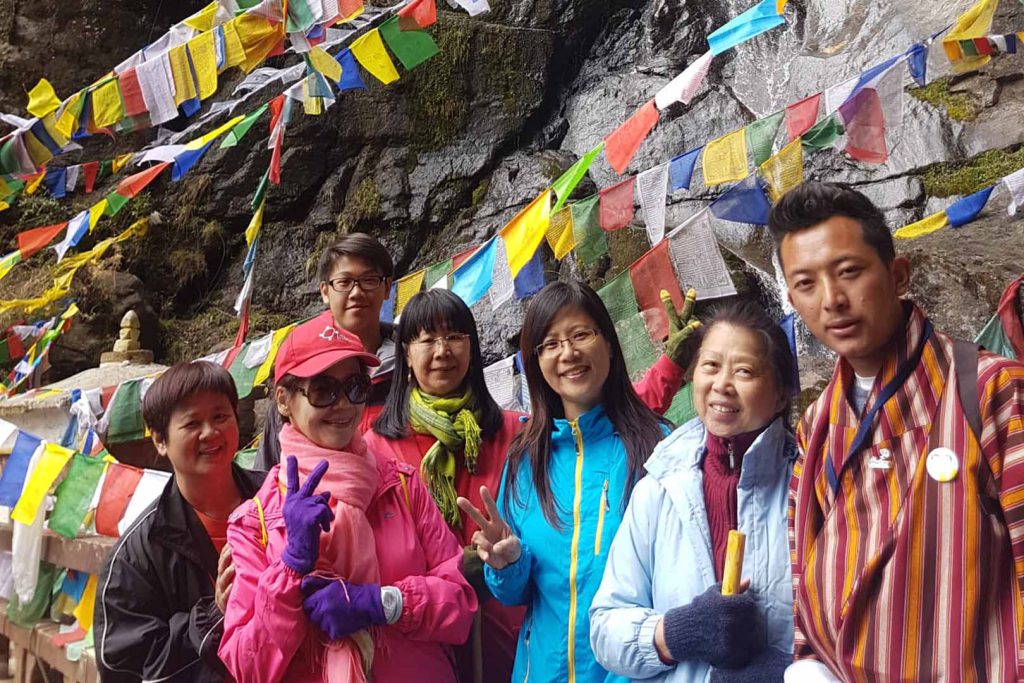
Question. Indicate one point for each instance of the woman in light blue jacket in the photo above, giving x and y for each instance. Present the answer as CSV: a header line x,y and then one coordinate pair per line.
x,y
659,613
566,483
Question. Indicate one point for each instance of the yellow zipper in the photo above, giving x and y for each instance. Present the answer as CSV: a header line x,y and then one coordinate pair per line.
x,y
600,519
575,551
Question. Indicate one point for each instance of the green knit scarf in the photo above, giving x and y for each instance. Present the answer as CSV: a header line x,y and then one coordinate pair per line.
x,y
454,424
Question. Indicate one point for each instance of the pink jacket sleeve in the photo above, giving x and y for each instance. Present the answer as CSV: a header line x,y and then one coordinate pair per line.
x,y
660,385
265,623
439,605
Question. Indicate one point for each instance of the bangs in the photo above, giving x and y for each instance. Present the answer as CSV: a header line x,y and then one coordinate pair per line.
x,y
432,311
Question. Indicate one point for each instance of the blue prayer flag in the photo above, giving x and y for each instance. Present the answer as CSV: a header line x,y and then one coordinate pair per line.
x,y
184,162
13,478
744,202
917,63
56,182
680,170
965,210
788,325
530,279
350,78
387,311
472,279
756,20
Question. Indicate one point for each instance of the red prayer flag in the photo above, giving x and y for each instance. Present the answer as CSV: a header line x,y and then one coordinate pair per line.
x,y
276,107
983,46
275,160
349,7
118,488
461,257
90,170
15,347
652,273
136,183
107,393
801,116
31,241
865,127
131,93
615,206
620,147
423,12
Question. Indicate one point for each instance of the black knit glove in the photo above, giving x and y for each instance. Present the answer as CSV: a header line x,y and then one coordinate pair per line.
x,y
724,630
767,667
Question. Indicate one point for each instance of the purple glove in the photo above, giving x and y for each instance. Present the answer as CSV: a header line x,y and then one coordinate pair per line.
x,y
339,608
305,515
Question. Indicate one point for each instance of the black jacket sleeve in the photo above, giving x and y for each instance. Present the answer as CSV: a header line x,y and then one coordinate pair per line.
x,y
138,638
268,453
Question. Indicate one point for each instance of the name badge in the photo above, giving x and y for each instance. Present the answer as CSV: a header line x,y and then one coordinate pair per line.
x,y
882,461
942,465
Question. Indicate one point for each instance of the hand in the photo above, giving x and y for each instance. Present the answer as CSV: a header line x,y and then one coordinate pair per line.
x,y
681,328
767,667
495,543
726,631
225,578
305,516
339,608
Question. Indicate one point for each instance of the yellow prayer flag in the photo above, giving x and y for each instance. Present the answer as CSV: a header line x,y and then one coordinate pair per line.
x,y
205,19
259,36
3,207
86,606
42,99
325,64
106,104
526,231
204,140
50,125
725,159
355,13
6,263
204,63
785,170
312,106
37,151
32,185
925,226
49,465
407,288
369,50
68,121
780,5
71,312
234,53
268,365
976,22
184,85
255,224
96,212
560,235
120,161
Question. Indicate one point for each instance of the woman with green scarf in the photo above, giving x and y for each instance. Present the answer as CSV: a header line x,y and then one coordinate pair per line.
x,y
440,418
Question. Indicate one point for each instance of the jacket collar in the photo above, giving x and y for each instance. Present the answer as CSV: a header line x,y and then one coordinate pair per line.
x,y
176,526
593,424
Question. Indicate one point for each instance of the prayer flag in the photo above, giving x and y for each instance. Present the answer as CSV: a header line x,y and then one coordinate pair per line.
x,y
965,210
422,12
118,487
42,99
651,190
254,225
744,202
725,159
136,183
1015,186
616,205
530,279
31,241
684,87
48,467
203,55
369,50
75,494
408,287
560,234
235,135
86,606
56,182
114,203
568,181
411,47
120,162
267,368
637,350
234,52
131,92
925,226
680,170
697,259
78,227
621,146
471,280
150,486
650,274
785,170
526,231
436,273
864,123
974,23
591,243
259,37
350,78
181,71
12,479
823,134
502,283
619,297
125,413
324,63
800,116
761,17
761,136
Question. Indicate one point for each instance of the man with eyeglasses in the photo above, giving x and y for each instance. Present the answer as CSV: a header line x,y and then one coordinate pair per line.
x,y
355,277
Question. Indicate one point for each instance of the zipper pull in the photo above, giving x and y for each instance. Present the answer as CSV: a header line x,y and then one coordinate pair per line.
x,y
604,495
732,457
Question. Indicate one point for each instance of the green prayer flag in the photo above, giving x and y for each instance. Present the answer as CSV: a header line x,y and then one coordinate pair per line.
x,y
591,243
637,350
619,297
126,414
300,16
682,411
993,337
411,47
761,136
75,494
106,168
115,202
8,157
261,191
28,615
568,181
246,458
235,135
243,375
435,273
823,134
968,48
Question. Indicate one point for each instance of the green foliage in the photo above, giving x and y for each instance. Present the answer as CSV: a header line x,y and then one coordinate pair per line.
x,y
363,204
966,177
440,91
958,106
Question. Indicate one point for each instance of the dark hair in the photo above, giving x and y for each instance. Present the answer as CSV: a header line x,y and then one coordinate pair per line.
x,y
177,383
431,311
751,316
639,427
814,202
358,245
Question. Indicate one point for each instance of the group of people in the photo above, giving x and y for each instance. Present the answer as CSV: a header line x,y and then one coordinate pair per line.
x,y
408,528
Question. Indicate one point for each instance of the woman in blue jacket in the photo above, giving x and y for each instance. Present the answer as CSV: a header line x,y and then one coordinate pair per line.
x,y
566,484
659,614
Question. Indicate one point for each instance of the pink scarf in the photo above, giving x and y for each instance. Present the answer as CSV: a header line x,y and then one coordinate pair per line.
x,y
352,479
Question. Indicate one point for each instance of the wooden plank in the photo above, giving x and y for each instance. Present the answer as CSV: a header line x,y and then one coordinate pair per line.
x,y
35,643
85,554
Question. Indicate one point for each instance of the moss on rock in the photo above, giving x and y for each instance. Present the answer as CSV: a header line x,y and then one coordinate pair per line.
x,y
440,90
966,177
957,106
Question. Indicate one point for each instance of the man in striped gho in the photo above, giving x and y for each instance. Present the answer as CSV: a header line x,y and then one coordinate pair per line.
x,y
907,502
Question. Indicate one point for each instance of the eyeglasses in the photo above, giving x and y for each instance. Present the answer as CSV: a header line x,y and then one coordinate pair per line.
x,y
451,340
578,340
367,283
324,391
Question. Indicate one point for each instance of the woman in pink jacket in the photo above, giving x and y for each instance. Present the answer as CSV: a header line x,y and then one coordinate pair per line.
x,y
354,573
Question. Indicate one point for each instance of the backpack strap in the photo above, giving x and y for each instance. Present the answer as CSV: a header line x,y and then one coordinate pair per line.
x,y
263,520
965,360
405,489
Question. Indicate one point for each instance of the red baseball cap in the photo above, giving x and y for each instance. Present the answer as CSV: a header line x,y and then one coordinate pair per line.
x,y
316,345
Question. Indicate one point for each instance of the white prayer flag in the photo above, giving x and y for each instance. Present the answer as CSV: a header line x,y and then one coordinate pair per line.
x,y
502,283
683,87
651,190
697,259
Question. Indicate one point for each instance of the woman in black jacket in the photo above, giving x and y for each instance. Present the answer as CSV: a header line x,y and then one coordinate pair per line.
x,y
157,616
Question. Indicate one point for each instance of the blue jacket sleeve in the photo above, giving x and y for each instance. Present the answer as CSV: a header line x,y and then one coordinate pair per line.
x,y
511,585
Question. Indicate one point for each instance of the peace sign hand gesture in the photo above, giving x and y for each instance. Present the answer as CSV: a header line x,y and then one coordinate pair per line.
x,y
495,543
681,328
305,514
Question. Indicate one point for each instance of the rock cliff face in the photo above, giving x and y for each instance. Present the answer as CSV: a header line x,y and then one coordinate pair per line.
x,y
441,159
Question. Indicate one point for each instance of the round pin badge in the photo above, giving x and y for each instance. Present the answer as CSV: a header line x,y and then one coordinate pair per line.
x,y
942,465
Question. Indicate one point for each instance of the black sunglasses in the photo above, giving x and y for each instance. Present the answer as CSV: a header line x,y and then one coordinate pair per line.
x,y
324,391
